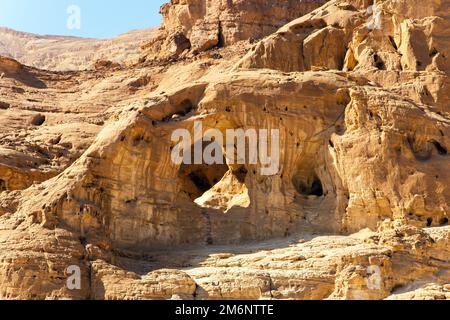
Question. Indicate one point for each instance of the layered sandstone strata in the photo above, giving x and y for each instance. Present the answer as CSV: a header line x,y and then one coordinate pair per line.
x,y
358,208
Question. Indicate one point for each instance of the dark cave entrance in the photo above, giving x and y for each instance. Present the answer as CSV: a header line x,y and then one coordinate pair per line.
x,y
440,149
311,186
197,179
3,186
317,188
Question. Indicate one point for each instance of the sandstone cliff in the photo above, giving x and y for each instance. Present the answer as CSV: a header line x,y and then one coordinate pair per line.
x,y
358,209
198,25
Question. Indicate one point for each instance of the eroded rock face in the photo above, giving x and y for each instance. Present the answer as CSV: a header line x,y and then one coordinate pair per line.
x,y
200,25
59,53
348,35
357,208
175,218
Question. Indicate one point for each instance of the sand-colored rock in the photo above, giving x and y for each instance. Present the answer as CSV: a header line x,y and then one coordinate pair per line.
x,y
357,209
199,25
61,53
345,34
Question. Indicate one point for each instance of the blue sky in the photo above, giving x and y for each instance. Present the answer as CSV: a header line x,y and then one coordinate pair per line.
x,y
99,18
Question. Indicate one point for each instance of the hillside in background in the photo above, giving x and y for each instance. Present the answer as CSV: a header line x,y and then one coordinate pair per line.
x,y
59,53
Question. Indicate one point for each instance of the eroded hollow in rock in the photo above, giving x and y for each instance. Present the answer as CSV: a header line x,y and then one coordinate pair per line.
x,y
37,120
181,110
309,185
196,179
378,62
422,150
3,186
440,149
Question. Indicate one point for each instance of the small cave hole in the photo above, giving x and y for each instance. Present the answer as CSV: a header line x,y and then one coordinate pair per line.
x,y
185,107
433,52
443,222
317,189
196,179
429,222
241,174
137,139
309,187
421,151
38,120
220,36
440,149
181,110
3,186
379,64
83,240
4,105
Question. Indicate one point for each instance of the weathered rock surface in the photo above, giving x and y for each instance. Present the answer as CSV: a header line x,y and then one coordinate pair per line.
x,y
61,53
359,205
201,25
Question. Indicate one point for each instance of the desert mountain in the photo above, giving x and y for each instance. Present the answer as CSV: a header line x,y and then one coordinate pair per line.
x,y
358,207
60,53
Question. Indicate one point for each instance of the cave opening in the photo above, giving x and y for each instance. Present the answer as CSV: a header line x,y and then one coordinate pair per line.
x,y
379,63
440,149
182,109
196,179
241,174
317,188
201,181
220,36
185,107
309,187
3,186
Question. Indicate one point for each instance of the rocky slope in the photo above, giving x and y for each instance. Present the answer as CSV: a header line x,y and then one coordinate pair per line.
x,y
357,210
202,25
59,53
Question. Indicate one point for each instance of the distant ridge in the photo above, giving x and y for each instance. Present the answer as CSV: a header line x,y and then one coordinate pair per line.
x,y
63,53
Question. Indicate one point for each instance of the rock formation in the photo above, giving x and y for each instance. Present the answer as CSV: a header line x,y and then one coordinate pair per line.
x,y
60,53
199,25
359,205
